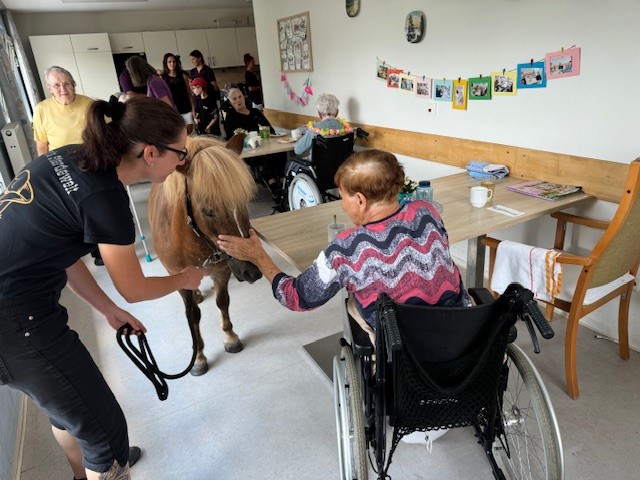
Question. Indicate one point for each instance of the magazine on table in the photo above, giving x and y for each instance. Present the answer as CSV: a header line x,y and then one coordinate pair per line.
x,y
545,190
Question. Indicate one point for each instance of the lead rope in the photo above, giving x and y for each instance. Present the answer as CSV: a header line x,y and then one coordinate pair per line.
x,y
143,358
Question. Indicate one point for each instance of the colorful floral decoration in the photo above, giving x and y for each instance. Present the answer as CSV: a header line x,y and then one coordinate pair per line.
x,y
303,100
331,132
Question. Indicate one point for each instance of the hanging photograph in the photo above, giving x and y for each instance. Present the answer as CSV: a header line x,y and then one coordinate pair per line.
x,y
459,101
423,87
407,82
504,83
393,78
480,88
442,90
531,75
353,7
381,70
415,26
565,63
294,37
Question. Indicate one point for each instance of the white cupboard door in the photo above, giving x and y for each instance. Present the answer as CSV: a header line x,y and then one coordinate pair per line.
x,y
223,47
126,42
156,44
247,43
190,40
49,50
90,42
98,74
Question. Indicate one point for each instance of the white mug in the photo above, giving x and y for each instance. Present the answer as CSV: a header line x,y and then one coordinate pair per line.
x,y
479,196
295,134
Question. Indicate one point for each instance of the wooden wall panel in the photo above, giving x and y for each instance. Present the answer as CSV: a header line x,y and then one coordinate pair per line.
x,y
600,178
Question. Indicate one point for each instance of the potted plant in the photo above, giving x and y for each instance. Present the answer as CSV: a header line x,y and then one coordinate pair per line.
x,y
408,191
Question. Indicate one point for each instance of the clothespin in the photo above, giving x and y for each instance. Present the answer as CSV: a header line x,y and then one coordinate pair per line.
x,y
503,70
459,79
480,75
562,50
422,77
532,62
408,73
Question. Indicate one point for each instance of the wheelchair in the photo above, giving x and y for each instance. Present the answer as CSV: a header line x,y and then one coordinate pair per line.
x,y
309,182
438,367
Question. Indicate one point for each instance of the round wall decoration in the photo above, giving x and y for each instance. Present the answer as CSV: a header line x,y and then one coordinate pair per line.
x,y
415,26
353,7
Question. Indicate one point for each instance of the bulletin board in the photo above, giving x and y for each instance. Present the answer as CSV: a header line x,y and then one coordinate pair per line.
x,y
294,36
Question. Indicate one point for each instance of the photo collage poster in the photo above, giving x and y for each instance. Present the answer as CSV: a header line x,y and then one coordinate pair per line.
x,y
294,37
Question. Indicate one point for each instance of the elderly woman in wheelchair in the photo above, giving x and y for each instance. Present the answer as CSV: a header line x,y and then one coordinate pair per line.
x,y
329,124
400,250
401,254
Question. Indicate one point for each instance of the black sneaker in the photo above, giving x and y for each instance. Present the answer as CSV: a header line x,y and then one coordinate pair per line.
x,y
134,454
98,261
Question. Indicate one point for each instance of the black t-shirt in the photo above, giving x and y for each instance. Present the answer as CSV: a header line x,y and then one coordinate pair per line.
x,y
250,122
207,108
51,215
252,80
179,92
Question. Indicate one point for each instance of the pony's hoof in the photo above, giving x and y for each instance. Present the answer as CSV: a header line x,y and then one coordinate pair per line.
x,y
197,295
199,369
233,347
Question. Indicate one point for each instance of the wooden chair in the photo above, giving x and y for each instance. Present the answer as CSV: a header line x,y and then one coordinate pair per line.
x,y
610,269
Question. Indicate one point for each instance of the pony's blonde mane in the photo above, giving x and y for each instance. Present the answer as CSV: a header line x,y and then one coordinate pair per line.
x,y
219,178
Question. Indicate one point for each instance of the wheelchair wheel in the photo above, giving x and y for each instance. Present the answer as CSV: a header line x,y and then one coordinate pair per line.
x,y
303,192
347,397
527,444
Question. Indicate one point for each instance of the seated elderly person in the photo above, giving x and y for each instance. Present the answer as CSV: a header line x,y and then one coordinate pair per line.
x,y
400,250
328,126
251,119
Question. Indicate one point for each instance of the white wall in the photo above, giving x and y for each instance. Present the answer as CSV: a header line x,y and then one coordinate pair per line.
x,y
591,115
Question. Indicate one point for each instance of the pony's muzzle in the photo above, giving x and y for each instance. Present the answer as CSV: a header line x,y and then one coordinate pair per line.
x,y
245,271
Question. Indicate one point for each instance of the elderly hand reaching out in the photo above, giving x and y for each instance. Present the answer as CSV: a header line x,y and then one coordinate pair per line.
x,y
249,249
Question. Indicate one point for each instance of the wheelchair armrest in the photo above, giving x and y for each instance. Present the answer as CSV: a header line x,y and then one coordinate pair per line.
x,y
481,295
302,161
356,336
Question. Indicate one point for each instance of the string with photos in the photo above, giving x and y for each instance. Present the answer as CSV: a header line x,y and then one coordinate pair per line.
x,y
307,91
383,66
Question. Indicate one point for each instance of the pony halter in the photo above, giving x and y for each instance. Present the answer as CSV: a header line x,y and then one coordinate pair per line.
x,y
217,255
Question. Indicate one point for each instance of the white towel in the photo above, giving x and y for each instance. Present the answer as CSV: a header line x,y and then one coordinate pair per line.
x,y
532,267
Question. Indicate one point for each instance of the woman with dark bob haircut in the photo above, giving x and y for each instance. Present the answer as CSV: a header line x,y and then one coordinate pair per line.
x,y
55,211
400,250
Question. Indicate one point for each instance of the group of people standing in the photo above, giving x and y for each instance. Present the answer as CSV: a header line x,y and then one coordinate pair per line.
x,y
195,93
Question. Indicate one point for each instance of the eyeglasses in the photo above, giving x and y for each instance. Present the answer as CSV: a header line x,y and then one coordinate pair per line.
x,y
58,86
182,154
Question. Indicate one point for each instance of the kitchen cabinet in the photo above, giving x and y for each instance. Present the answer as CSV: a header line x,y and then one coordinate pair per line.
x,y
126,42
86,56
247,43
90,42
156,44
190,40
223,48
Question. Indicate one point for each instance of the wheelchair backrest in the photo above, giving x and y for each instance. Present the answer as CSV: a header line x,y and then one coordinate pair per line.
x,y
327,154
437,334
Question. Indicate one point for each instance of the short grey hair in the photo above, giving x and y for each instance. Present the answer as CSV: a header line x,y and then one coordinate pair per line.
x,y
328,104
60,70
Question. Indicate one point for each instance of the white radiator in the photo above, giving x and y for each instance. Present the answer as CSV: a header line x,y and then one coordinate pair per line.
x,y
16,144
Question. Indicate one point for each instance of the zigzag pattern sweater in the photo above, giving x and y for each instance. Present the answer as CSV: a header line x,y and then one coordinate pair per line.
x,y
405,255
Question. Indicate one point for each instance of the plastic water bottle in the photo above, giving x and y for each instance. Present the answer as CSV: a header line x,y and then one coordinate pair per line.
x,y
424,191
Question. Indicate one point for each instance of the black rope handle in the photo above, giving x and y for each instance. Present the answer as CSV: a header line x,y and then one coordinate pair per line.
x,y
142,356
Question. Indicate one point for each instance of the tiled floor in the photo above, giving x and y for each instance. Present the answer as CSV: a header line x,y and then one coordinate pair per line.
x,y
267,412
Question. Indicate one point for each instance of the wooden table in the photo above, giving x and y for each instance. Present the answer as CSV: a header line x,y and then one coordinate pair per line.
x,y
300,235
267,147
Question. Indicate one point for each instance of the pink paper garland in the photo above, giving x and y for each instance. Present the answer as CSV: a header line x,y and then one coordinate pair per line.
x,y
303,100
